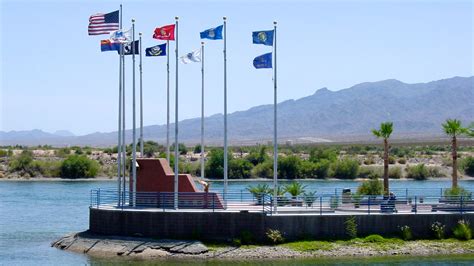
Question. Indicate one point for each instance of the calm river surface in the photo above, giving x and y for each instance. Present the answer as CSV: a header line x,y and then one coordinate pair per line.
x,y
33,214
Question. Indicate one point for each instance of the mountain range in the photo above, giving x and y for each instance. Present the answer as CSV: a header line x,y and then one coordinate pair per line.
x,y
347,114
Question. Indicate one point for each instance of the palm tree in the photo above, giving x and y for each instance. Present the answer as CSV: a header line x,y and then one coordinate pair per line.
x,y
384,132
259,191
295,189
453,128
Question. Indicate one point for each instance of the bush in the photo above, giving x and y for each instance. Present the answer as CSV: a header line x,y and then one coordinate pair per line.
x,y
309,198
374,239
370,187
467,166
63,152
402,161
372,172
345,169
263,170
240,168
295,189
48,168
317,155
257,157
197,148
3,153
417,172
438,230
351,227
288,167
391,160
369,160
435,171
215,163
456,192
77,166
462,230
22,162
395,172
274,236
246,237
405,232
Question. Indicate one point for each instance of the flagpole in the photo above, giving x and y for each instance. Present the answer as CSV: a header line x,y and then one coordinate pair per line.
x,y
202,110
275,142
119,148
168,101
134,143
225,115
141,95
124,145
176,145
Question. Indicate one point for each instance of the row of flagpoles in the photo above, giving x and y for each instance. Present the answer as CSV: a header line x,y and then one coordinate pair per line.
x,y
125,44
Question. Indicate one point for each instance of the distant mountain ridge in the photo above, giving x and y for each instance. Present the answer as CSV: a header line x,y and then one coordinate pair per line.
x,y
328,115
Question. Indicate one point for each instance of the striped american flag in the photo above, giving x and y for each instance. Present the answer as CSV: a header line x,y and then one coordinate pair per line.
x,y
103,23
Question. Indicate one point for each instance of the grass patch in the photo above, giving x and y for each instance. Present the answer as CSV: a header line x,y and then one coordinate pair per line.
x,y
307,246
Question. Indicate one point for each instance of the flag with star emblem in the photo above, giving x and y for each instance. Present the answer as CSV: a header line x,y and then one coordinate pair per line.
x,y
213,33
263,37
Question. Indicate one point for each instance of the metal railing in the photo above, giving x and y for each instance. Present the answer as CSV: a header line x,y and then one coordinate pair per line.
x,y
248,202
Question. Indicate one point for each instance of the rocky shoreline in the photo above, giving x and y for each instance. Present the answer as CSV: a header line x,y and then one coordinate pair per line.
x,y
147,248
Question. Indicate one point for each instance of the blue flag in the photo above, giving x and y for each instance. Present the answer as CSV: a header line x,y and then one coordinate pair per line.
x,y
213,34
157,50
263,61
263,37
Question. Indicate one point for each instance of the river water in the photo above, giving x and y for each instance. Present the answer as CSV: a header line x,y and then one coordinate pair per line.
x,y
33,214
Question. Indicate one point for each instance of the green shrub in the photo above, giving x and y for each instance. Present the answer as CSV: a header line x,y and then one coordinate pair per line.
x,y
215,163
197,148
3,153
370,187
405,233
369,160
456,192
467,166
257,156
274,236
417,172
374,239
391,160
288,167
77,166
263,170
462,230
308,169
240,168
48,168
309,198
345,169
21,162
351,227
316,155
63,152
402,161
438,230
236,242
334,202
372,172
435,171
395,172
246,237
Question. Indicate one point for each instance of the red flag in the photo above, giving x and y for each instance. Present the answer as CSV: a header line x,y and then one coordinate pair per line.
x,y
165,33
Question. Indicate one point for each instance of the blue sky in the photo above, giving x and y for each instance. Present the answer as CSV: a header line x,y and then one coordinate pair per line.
x,y
53,75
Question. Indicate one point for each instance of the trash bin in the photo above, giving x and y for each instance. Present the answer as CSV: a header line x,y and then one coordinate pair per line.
x,y
346,195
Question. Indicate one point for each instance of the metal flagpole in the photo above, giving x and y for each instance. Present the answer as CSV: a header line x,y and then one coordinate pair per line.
x,y
119,149
225,116
134,143
176,145
141,96
275,143
124,145
202,110
168,101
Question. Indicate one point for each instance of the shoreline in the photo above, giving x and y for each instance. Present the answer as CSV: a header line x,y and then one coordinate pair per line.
x,y
47,179
166,249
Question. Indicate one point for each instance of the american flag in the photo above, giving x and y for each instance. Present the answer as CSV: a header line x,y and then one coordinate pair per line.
x,y
103,23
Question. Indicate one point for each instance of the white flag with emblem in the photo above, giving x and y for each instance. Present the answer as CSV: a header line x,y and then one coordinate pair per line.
x,y
121,36
194,56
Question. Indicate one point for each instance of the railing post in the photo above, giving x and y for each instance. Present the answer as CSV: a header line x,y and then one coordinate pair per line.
x,y
406,193
321,205
98,198
163,203
416,204
368,206
462,205
241,196
213,202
